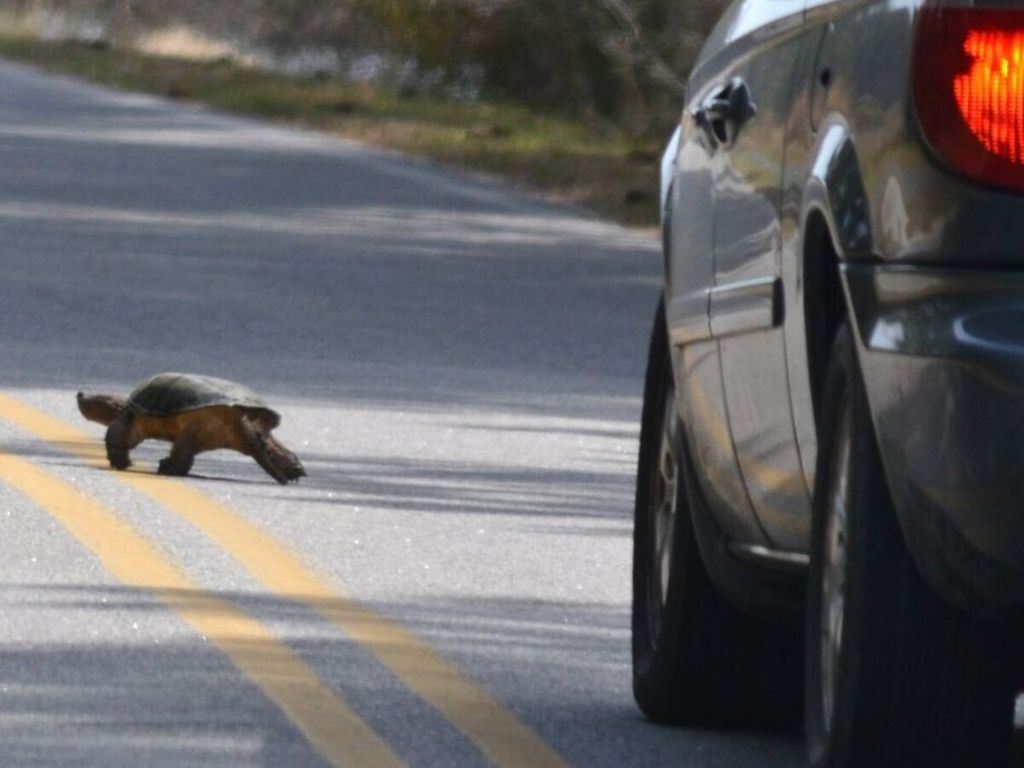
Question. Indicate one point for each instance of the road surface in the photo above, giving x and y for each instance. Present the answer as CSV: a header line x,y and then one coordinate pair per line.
x,y
459,368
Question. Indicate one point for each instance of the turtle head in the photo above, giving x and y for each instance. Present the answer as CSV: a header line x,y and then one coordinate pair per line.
x,y
283,465
102,409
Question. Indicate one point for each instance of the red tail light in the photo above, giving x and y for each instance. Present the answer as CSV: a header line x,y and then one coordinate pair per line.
x,y
969,90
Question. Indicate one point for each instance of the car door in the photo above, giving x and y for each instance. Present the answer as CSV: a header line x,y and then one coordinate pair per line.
x,y
698,373
746,114
690,278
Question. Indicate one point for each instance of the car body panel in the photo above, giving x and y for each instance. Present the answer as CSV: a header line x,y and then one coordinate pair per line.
x,y
943,413
835,157
822,180
943,360
724,223
741,181
689,281
748,283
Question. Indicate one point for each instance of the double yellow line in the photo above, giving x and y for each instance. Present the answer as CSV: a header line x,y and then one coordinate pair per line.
x,y
321,715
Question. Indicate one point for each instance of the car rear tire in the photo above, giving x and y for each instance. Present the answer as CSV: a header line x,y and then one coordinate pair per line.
x,y
697,660
894,676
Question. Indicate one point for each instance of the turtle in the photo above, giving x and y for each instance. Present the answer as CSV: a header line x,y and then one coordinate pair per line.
x,y
196,413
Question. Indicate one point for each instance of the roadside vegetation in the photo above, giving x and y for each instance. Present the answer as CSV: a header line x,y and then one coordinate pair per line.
x,y
600,168
572,100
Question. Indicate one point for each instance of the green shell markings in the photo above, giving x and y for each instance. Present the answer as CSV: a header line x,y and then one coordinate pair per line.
x,y
169,393
195,414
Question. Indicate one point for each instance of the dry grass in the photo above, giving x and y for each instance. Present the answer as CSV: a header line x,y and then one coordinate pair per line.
x,y
597,167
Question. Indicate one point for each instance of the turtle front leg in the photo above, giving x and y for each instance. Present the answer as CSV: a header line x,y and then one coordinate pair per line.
x,y
284,459
276,460
122,436
179,461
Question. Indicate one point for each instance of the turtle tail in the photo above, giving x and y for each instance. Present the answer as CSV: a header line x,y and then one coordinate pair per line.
x,y
102,409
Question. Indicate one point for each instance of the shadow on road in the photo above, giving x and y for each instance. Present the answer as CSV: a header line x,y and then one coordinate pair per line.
x,y
306,267
108,698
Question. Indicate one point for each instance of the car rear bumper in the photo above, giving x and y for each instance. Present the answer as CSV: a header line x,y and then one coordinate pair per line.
x,y
942,353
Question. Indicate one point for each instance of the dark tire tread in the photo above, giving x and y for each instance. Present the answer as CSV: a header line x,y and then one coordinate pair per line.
x,y
711,665
920,683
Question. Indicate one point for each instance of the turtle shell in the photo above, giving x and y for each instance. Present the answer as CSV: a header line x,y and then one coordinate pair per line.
x,y
169,393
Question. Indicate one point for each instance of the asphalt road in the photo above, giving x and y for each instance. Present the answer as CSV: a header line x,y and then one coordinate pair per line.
x,y
459,368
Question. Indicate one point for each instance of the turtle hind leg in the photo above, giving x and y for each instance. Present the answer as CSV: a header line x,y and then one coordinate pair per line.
x,y
122,436
276,460
179,461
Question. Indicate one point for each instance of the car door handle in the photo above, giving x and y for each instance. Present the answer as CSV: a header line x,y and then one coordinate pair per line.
x,y
724,112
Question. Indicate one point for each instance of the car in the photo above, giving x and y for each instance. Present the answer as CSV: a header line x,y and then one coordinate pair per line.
x,y
829,515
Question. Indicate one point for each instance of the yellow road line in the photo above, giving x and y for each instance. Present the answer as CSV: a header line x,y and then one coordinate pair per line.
x,y
496,731
326,721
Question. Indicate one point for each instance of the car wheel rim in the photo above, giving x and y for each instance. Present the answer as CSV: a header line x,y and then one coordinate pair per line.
x,y
664,509
834,571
